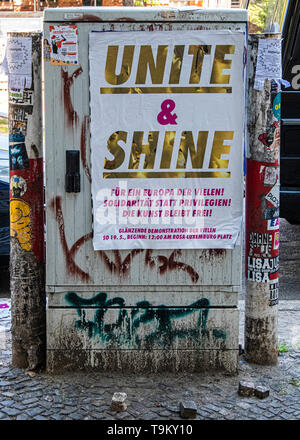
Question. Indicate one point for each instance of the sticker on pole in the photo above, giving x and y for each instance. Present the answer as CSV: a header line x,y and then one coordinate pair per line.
x,y
17,63
273,196
167,127
63,45
268,61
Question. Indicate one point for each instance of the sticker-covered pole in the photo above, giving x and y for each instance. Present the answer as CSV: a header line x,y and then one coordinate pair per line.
x,y
262,198
28,304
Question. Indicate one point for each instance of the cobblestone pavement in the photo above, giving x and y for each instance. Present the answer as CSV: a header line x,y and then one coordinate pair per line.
x,y
87,396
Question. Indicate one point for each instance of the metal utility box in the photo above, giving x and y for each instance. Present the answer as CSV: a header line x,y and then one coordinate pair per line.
x,y
134,308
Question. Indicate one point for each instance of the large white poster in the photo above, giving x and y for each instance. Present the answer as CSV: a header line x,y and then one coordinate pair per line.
x,y
167,136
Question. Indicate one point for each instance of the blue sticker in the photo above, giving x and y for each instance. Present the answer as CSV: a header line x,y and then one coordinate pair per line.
x,y
18,158
16,137
276,106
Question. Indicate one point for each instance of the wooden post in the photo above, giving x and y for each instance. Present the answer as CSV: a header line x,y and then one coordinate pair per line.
x,y
262,207
28,300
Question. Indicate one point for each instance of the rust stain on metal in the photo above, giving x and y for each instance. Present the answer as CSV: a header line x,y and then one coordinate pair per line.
x,y
84,126
68,105
72,267
90,17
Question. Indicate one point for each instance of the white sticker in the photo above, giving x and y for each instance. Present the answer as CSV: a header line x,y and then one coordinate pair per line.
x,y
273,224
268,61
18,62
271,176
273,196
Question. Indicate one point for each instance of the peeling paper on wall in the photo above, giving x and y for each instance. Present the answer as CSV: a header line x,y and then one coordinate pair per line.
x,y
268,62
17,63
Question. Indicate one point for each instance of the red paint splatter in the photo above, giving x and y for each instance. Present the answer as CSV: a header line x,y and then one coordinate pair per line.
x,y
68,105
72,267
83,136
171,264
117,266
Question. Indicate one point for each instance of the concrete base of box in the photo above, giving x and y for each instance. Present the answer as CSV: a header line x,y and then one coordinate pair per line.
x,y
142,361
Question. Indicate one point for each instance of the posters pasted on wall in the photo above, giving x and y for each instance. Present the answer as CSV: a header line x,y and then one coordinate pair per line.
x,y
166,139
63,45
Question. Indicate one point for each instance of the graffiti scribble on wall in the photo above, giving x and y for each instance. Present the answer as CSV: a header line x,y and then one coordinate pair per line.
x,y
68,80
20,223
171,264
72,267
142,325
117,265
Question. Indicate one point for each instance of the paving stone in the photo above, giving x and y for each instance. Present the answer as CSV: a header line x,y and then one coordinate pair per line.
x,y
19,386
285,416
56,417
223,412
67,410
268,414
7,402
254,409
22,380
122,415
261,392
30,401
11,411
8,394
205,414
119,402
243,405
275,410
77,415
289,410
211,407
246,388
45,404
19,406
32,412
149,416
188,409
22,417
70,403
